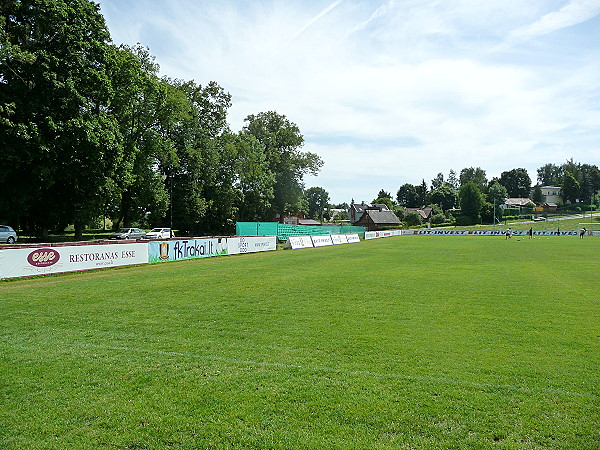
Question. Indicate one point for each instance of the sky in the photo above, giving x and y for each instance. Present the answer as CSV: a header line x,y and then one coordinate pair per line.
x,y
389,92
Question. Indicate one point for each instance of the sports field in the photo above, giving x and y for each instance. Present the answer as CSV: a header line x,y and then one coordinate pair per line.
x,y
404,342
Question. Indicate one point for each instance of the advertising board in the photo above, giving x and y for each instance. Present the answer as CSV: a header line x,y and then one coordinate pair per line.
x,y
251,244
30,261
178,250
320,241
296,242
339,239
352,238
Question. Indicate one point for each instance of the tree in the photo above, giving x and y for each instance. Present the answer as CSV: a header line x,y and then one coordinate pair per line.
x,y
549,175
453,180
55,124
317,199
422,193
384,201
497,193
407,196
537,196
445,195
570,187
145,107
474,174
384,194
471,200
516,182
281,141
437,182
255,180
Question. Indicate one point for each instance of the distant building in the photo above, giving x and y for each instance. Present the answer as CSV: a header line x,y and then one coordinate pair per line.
x,y
374,217
300,219
425,213
551,194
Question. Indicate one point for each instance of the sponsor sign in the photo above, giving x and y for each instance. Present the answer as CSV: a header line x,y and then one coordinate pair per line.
x,y
296,242
320,241
493,232
29,261
339,239
352,238
177,250
385,233
251,244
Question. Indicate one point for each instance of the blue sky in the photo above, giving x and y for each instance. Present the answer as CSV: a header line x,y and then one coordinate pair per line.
x,y
393,91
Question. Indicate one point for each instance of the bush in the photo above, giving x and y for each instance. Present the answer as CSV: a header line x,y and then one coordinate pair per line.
x,y
463,220
437,219
412,218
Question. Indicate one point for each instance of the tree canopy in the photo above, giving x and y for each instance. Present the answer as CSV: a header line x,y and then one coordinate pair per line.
x,y
98,132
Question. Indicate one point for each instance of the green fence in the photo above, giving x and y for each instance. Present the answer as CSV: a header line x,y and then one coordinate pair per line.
x,y
283,231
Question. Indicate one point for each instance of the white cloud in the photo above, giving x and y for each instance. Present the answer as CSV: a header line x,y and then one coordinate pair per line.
x,y
389,91
573,13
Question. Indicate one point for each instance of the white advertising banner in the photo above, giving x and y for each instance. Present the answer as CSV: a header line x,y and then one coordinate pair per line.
x,y
296,242
384,233
494,232
251,244
352,238
320,241
30,261
339,239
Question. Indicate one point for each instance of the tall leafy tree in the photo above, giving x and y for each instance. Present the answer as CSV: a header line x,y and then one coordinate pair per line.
x,y
471,200
537,196
474,174
147,110
204,196
282,141
516,182
453,180
570,187
317,199
55,126
445,196
496,193
550,175
437,182
254,180
408,196
422,193
384,194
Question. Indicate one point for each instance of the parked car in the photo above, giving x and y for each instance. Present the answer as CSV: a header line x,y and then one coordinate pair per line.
x,y
160,233
7,234
128,233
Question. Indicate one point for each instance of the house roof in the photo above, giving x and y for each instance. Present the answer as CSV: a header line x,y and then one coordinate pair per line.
x,y
425,213
308,222
517,201
383,217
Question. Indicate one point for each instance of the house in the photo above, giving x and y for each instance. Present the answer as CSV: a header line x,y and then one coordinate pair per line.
x,y
300,219
357,210
552,194
425,213
374,219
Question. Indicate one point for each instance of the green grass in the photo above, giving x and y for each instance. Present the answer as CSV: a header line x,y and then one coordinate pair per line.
x,y
406,342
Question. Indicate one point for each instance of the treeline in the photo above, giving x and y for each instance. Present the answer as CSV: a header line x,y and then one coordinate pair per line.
x,y
475,195
89,130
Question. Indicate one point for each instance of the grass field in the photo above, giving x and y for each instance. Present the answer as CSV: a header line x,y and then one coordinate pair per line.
x,y
405,342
